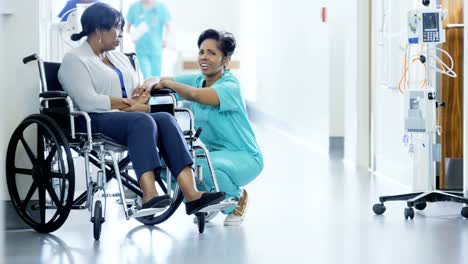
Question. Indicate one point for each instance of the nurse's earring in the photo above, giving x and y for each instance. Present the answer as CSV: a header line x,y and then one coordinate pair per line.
x,y
226,62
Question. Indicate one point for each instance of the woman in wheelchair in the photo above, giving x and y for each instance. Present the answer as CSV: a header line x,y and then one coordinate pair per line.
x,y
98,79
219,108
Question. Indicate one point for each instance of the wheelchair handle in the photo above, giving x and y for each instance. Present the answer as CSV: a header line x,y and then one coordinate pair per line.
x,y
162,91
30,58
197,133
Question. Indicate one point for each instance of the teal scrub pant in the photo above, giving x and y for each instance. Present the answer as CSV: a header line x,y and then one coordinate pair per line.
x,y
233,169
150,64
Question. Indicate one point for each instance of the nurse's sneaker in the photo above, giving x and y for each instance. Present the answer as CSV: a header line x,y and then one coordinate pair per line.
x,y
237,216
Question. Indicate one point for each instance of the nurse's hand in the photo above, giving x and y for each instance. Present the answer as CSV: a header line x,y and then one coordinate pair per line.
x,y
150,82
145,87
160,85
157,86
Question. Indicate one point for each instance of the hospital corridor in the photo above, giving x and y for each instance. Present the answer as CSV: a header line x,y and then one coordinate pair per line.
x,y
216,131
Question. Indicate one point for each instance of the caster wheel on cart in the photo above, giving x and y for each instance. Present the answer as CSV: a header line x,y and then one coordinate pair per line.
x,y
420,206
379,208
40,173
97,220
409,213
201,222
464,212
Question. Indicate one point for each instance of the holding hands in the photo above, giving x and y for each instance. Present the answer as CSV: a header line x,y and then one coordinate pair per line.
x,y
141,94
137,104
138,107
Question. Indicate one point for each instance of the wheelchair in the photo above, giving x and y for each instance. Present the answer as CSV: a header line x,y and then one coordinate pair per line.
x,y
41,154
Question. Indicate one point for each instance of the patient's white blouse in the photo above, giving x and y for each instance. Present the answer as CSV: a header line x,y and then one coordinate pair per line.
x,y
90,83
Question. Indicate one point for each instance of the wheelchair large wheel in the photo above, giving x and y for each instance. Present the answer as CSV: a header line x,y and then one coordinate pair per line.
x,y
164,215
40,173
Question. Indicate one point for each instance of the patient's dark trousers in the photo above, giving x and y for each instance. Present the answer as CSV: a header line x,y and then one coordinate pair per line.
x,y
144,134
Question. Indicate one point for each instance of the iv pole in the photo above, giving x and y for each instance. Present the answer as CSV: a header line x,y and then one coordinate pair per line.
x,y
419,200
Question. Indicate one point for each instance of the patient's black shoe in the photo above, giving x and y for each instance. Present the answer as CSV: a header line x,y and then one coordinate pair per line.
x,y
205,200
157,202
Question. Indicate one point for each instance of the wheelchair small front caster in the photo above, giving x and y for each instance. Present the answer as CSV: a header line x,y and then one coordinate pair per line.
x,y
409,213
379,208
464,212
201,222
420,206
97,220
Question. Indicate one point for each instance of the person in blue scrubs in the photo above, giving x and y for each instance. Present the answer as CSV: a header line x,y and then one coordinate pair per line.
x,y
154,17
219,109
70,5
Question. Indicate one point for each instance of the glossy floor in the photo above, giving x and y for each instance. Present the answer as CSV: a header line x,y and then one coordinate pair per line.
x,y
304,208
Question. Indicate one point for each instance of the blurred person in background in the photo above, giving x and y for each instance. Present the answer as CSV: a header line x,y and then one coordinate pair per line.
x,y
148,25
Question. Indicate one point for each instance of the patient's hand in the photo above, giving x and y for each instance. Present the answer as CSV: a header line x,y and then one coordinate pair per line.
x,y
142,98
137,107
137,91
129,101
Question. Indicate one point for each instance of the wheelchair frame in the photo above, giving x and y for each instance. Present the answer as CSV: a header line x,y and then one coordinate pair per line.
x,y
97,151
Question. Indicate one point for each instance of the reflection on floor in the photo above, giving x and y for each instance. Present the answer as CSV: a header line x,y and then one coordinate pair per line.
x,y
304,209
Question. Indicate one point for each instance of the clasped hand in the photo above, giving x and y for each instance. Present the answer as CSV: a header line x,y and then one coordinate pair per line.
x,y
148,84
134,105
141,95
145,87
139,100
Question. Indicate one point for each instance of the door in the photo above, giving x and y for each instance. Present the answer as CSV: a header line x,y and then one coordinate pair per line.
x,y
451,89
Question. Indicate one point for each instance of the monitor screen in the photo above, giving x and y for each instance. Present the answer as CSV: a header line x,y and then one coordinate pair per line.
x,y
430,21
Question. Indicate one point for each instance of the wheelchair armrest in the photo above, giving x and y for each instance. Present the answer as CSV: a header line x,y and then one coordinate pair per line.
x,y
164,91
53,94
88,125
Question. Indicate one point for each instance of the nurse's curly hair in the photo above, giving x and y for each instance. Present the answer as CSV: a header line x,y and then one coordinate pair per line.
x,y
99,16
226,40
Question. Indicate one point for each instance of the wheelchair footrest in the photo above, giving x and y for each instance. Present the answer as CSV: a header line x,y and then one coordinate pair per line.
x,y
134,212
127,201
219,207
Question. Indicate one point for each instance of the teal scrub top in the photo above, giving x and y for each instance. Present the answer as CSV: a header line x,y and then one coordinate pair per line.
x,y
226,126
155,18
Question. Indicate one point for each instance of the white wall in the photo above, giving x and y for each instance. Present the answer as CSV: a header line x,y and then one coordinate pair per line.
x,y
350,80
292,65
19,37
391,159
337,22
2,121
190,18
357,91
